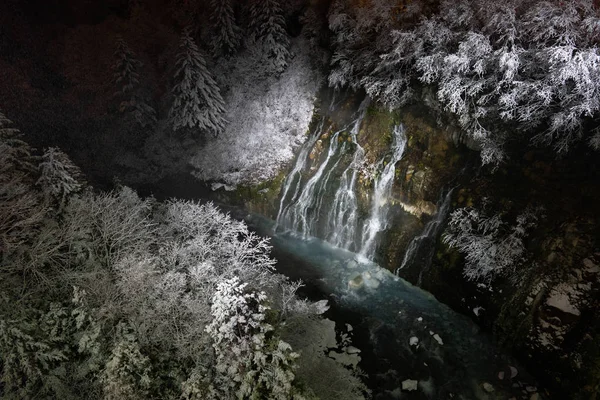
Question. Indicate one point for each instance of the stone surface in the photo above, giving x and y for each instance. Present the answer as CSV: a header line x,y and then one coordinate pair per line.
x,y
409,385
488,387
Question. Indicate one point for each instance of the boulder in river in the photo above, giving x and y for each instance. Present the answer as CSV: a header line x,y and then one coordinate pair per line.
x,y
409,385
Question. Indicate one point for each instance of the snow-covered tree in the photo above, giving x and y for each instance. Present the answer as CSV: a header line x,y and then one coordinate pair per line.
x,y
491,247
267,26
126,374
127,78
59,177
518,65
251,362
21,212
16,153
197,101
227,34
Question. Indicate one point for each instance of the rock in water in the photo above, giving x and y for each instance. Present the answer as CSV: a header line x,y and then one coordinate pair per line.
x,y
488,387
356,283
438,339
413,341
409,385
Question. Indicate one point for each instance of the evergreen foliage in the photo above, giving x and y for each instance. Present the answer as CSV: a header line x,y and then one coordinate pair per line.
x,y
59,177
491,246
197,101
267,26
500,68
127,79
226,33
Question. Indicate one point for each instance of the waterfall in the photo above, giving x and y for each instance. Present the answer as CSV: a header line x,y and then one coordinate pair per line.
x,y
295,176
301,203
422,246
342,219
326,204
377,220
300,215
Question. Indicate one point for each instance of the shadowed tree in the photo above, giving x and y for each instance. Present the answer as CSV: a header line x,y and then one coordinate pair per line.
x,y
226,33
197,101
127,79
267,26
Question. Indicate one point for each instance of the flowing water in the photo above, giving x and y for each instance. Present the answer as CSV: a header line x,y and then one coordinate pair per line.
x,y
323,201
421,248
403,332
378,217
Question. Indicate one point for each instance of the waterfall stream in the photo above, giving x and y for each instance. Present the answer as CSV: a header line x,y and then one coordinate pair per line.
x,y
324,203
377,220
421,247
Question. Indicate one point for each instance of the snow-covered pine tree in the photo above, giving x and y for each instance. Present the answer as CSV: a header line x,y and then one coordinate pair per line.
x,y
267,26
59,176
15,154
197,99
227,35
127,79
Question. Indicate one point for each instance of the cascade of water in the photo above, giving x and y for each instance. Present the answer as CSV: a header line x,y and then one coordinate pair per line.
x,y
424,244
300,215
377,220
342,219
293,180
300,207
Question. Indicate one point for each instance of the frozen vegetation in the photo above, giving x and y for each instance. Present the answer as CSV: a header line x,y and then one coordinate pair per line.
x,y
105,295
268,117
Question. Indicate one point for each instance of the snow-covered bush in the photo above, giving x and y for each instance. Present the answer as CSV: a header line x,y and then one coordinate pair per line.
x,y
491,246
103,228
141,299
269,117
251,362
197,101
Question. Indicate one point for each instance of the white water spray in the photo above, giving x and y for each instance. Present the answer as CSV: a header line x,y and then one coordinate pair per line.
x,y
378,215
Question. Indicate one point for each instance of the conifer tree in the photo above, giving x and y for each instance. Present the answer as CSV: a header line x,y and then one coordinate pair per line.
x,y
197,99
127,79
59,176
227,34
267,25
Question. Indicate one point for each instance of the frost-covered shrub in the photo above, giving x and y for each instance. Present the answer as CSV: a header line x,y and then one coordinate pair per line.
x,y
103,228
490,245
147,300
268,115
